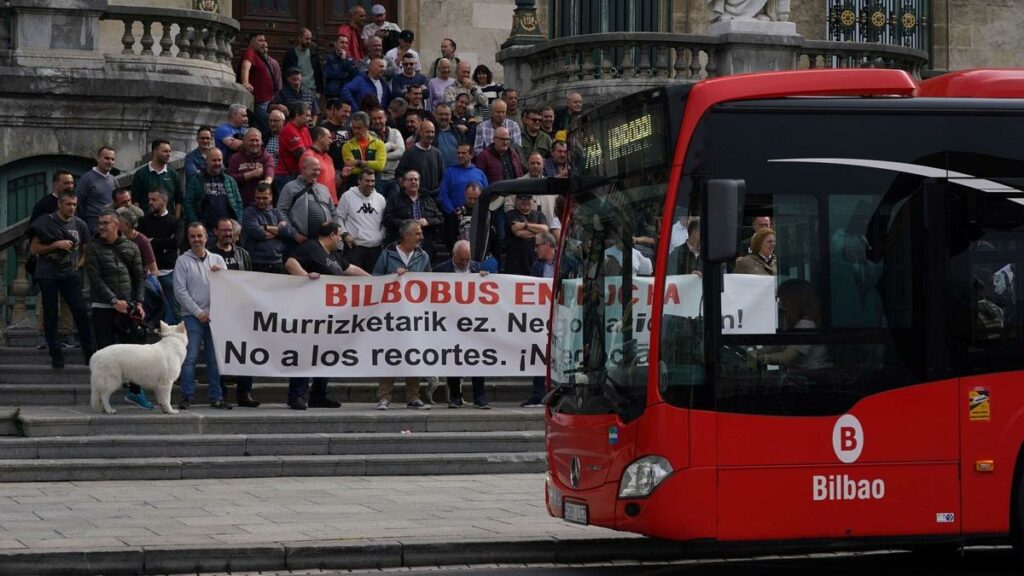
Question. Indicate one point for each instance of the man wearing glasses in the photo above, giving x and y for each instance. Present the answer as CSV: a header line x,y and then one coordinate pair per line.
x,y
409,75
534,139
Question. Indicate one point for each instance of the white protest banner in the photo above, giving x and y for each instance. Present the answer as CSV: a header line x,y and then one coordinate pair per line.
x,y
409,325
748,307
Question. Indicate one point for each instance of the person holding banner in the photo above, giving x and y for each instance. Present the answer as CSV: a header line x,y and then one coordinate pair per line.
x,y
192,289
398,258
461,262
312,259
545,247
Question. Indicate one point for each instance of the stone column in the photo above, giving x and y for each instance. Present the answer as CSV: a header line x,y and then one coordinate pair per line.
x,y
756,46
526,32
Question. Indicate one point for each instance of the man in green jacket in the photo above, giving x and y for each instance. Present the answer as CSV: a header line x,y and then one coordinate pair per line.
x,y
213,194
157,174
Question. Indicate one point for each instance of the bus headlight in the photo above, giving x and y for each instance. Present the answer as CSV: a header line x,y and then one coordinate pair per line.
x,y
641,477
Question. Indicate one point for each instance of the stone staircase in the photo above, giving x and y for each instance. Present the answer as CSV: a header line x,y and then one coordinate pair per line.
x,y
49,433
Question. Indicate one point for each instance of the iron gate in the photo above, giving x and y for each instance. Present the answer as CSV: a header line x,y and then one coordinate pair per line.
x,y
894,22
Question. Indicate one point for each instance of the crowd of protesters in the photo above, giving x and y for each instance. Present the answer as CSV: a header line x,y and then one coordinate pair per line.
x,y
367,160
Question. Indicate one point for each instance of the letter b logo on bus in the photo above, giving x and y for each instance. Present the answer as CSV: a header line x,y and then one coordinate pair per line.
x,y
847,439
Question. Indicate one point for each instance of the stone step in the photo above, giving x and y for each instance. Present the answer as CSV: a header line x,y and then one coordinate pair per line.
x,y
269,466
237,445
48,421
57,394
8,422
30,355
29,373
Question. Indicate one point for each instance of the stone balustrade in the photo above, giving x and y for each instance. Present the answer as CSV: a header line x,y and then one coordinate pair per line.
x,y
610,65
173,37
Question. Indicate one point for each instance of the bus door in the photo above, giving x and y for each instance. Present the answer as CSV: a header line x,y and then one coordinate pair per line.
x,y
836,411
988,254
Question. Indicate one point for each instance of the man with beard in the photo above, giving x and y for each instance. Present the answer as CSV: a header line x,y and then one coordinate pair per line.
x,y
260,75
251,166
304,56
213,195
57,242
235,258
361,211
265,230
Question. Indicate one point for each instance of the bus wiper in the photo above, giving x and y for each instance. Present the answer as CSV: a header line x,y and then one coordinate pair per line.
x,y
563,387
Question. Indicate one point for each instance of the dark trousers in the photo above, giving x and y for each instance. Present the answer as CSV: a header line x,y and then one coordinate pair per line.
x,y
455,389
297,388
364,256
451,230
70,289
104,326
538,389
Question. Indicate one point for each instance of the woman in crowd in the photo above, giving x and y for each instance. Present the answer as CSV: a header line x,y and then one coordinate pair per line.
x,y
761,260
483,78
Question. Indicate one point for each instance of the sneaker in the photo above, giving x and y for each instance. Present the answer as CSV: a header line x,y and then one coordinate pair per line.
x,y
482,405
457,403
221,404
139,400
417,404
185,403
383,404
531,403
70,342
324,402
42,344
297,403
433,383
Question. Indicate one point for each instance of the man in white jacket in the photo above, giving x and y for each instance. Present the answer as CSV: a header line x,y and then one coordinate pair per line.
x,y
361,213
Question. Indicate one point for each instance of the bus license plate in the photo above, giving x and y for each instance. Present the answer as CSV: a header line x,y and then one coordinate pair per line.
x,y
575,513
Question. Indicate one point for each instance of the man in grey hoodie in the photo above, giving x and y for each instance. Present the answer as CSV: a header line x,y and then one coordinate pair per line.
x,y
403,256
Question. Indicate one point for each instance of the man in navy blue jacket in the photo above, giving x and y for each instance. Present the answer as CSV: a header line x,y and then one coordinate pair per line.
x,y
461,263
368,83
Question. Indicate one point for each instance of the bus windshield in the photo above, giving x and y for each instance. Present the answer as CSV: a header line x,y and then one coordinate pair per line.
x,y
601,329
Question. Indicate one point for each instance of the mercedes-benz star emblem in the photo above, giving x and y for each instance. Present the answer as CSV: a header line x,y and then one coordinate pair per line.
x,y
574,472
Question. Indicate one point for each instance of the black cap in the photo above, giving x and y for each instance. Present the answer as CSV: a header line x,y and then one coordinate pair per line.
x,y
406,36
294,70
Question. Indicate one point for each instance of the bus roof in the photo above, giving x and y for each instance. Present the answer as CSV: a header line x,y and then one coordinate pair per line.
x,y
992,83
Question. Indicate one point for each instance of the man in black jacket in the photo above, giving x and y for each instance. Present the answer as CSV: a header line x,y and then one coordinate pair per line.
x,y
166,233
305,57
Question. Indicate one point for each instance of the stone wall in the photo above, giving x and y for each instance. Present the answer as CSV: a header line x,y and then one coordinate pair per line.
x,y
971,34
479,28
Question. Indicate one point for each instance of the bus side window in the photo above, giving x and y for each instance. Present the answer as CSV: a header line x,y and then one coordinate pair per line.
x,y
990,284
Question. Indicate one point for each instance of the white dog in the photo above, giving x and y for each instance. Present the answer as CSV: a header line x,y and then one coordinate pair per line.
x,y
154,367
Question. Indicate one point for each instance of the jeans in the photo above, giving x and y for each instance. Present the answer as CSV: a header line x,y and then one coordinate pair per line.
x,y
455,390
71,289
200,334
172,314
297,388
261,120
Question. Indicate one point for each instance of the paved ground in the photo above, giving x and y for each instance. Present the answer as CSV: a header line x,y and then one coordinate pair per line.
x,y
43,516
287,523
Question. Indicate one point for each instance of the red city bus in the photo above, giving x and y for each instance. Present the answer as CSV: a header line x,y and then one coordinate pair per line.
x,y
863,381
